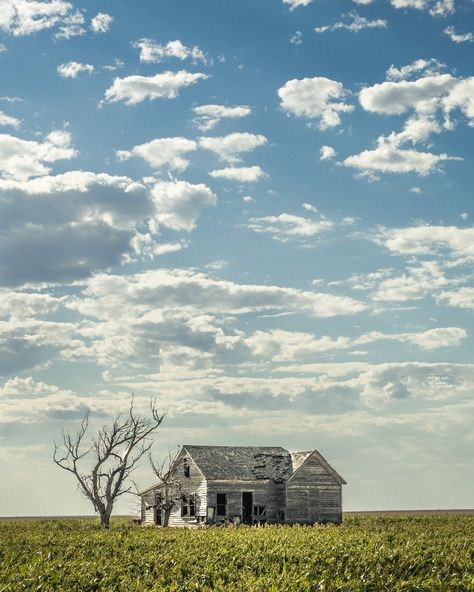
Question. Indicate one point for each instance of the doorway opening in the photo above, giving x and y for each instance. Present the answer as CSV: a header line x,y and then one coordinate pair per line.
x,y
247,506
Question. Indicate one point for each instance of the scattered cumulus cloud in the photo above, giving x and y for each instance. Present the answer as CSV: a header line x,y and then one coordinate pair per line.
x,y
353,23
389,157
326,153
458,37
241,174
187,289
179,203
166,85
152,52
208,116
315,98
25,17
162,153
421,67
230,147
22,159
434,7
287,227
61,228
73,69
71,26
433,99
452,241
101,22
8,120
296,38
296,3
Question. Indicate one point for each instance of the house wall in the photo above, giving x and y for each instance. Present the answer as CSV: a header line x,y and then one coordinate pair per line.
x,y
265,493
313,494
194,484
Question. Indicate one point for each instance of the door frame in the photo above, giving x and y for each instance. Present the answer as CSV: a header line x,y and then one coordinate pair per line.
x,y
247,509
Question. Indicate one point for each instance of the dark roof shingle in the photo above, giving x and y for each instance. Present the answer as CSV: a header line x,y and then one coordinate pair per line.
x,y
243,463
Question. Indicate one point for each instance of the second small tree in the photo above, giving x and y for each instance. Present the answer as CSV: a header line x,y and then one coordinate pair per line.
x,y
171,490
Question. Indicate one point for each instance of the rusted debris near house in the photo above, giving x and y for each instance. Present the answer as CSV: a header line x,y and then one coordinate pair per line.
x,y
249,485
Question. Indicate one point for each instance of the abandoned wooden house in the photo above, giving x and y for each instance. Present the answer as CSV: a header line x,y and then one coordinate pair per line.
x,y
247,485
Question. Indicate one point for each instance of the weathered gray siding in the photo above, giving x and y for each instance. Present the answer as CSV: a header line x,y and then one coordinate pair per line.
x,y
265,493
194,484
148,509
313,494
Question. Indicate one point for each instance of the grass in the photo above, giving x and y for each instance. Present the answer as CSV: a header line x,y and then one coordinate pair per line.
x,y
366,553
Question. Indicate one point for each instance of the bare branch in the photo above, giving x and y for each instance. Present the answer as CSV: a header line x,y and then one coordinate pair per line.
x,y
115,451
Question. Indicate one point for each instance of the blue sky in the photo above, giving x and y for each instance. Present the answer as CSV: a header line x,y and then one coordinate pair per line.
x,y
258,212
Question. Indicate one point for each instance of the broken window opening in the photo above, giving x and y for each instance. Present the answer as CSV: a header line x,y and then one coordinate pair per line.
x,y
260,512
221,504
188,506
186,468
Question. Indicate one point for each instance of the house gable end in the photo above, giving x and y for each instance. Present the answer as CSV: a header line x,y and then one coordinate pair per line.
x,y
319,458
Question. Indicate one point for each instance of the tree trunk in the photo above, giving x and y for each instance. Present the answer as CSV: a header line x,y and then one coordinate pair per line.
x,y
105,519
166,516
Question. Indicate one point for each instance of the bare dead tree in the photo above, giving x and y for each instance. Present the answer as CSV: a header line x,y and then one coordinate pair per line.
x,y
171,488
109,459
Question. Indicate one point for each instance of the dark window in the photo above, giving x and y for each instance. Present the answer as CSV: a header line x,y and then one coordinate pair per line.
x,y
221,504
188,505
186,468
260,512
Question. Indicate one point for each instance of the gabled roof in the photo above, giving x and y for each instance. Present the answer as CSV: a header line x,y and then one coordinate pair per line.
x,y
322,461
243,463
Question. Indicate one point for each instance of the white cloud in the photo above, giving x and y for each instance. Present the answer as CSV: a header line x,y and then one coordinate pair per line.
x,y
72,69
27,344
240,174
162,153
315,98
279,345
429,67
9,120
395,98
461,298
25,17
389,157
458,37
286,227
108,296
71,26
61,228
208,116
21,159
166,85
147,247
434,7
452,241
229,147
326,153
19,305
101,22
296,38
428,97
296,3
354,23
152,52
179,203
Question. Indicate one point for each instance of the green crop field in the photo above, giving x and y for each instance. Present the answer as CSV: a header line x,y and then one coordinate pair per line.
x,y
376,553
